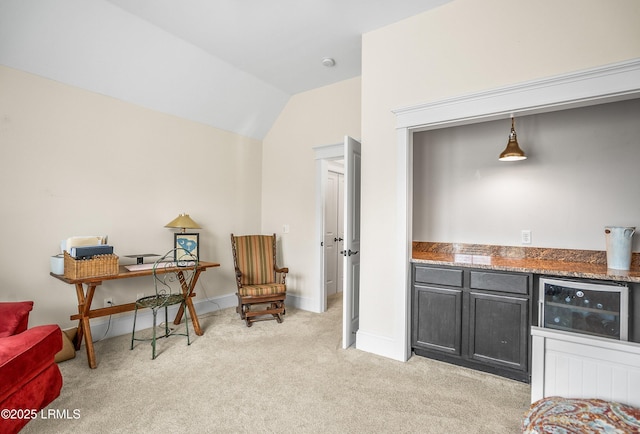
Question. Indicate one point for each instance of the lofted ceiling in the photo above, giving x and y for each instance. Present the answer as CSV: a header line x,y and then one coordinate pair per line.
x,y
232,64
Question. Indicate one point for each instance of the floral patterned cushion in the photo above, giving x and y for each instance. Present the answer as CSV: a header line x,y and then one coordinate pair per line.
x,y
585,416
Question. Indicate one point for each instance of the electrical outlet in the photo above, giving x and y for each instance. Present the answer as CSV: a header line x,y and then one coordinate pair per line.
x,y
526,236
108,302
285,229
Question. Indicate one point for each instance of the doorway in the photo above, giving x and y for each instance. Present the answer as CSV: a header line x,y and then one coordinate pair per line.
x,y
344,241
334,228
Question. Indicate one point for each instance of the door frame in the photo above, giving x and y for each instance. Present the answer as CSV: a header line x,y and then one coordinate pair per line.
x,y
599,85
323,156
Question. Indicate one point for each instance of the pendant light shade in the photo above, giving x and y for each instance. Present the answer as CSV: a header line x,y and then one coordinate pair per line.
x,y
512,152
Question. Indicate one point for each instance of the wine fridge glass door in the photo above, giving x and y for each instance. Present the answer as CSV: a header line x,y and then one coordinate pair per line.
x,y
587,308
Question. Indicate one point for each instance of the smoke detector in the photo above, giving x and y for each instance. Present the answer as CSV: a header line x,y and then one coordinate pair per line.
x,y
328,62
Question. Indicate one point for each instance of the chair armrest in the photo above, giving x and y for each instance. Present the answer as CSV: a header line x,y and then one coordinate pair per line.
x,y
282,272
44,341
238,277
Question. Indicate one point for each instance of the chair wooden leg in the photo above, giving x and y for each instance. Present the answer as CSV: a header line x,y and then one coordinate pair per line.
x,y
240,309
275,310
277,316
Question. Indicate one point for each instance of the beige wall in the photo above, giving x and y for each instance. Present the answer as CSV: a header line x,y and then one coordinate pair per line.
x,y
49,133
462,47
73,162
77,163
319,117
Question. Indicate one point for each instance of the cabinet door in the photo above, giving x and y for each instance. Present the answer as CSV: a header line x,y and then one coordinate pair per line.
x,y
498,330
437,314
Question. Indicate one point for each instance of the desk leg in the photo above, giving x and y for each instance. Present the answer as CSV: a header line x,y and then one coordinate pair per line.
x,y
84,327
189,303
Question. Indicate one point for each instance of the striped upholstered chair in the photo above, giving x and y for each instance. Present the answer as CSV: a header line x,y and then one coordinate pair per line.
x,y
261,284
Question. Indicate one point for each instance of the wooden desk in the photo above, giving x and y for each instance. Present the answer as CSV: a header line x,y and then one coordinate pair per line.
x,y
85,297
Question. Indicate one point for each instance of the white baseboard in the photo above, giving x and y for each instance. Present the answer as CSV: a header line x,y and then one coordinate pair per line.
x,y
122,324
303,303
380,345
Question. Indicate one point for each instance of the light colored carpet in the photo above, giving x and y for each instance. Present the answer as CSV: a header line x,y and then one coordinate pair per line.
x,y
289,377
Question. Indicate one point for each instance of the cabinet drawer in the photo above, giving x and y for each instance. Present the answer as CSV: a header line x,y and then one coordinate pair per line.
x,y
438,276
503,282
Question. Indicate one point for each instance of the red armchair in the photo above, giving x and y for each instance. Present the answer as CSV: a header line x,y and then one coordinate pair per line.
x,y
29,377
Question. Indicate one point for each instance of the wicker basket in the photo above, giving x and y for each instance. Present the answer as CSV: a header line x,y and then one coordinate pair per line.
x,y
100,265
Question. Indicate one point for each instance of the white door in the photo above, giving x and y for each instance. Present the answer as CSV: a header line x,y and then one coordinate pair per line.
x,y
351,252
332,234
340,277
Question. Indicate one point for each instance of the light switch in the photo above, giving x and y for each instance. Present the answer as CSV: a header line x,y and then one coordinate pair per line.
x,y
285,229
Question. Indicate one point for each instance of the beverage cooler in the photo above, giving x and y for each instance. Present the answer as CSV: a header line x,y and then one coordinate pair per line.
x,y
589,308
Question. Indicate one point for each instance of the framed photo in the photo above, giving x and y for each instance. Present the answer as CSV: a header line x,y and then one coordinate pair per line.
x,y
187,243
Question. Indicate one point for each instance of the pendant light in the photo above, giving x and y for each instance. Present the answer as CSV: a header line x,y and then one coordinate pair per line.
x,y
512,152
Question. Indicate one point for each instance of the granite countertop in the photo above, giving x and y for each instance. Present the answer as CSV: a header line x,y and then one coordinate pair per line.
x,y
585,264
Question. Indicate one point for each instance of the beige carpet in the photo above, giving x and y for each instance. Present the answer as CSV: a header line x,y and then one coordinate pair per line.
x,y
289,377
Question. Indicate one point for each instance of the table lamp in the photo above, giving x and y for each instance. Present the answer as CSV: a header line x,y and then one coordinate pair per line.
x,y
183,222
184,242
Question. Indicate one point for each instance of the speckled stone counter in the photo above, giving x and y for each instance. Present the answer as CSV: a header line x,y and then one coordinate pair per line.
x,y
585,264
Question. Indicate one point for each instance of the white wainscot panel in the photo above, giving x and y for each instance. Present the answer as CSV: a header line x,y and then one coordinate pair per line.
x,y
580,366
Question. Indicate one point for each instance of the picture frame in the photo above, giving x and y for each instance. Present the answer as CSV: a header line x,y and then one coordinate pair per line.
x,y
189,243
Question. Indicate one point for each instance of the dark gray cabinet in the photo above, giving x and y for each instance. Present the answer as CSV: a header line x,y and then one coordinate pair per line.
x,y
498,331
475,318
441,309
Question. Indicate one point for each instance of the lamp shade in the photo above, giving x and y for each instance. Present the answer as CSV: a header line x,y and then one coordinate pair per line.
x,y
512,152
183,221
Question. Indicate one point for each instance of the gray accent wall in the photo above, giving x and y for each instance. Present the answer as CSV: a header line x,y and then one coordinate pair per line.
x,y
582,174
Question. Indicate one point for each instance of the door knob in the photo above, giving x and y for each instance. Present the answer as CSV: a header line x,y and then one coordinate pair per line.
x,y
348,253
